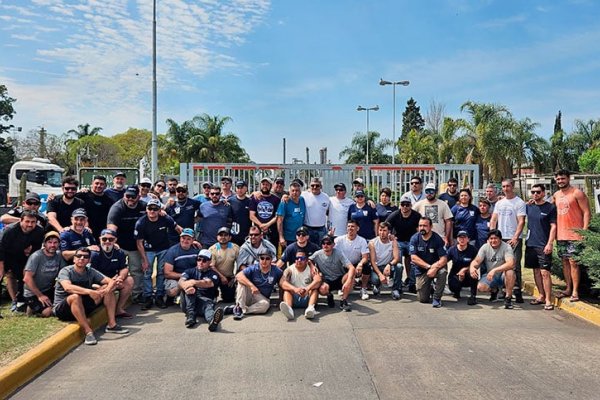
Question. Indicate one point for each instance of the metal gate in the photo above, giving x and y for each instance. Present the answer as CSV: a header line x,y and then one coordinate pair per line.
x,y
397,177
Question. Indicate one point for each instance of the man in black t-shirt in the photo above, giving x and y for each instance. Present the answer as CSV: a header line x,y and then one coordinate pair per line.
x,y
61,207
288,256
32,202
96,204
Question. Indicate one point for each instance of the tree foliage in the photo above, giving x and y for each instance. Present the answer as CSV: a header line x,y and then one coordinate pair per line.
x,y
84,130
357,151
412,118
7,110
135,144
590,254
417,148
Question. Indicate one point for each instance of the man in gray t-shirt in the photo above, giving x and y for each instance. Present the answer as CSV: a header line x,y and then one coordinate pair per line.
x,y
498,257
40,274
337,272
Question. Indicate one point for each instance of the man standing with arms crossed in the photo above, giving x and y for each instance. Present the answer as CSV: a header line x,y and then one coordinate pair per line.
x,y
572,213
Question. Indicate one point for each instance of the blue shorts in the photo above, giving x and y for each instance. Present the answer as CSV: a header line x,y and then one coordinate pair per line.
x,y
299,302
496,283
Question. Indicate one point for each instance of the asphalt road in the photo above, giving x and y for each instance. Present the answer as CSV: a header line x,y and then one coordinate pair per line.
x,y
383,349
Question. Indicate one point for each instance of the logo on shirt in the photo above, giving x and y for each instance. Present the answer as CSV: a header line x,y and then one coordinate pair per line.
x,y
264,209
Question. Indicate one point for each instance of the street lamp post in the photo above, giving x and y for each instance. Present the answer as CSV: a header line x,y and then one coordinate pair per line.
x,y
384,83
367,109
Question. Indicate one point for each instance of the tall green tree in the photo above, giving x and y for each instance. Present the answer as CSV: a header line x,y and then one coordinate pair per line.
x,y
417,148
135,144
7,152
411,118
557,144
527,147
356,153
84,130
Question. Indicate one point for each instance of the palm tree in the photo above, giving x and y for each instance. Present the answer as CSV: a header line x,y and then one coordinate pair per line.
x,y
357,151
84,130
526,145
446,141
417,148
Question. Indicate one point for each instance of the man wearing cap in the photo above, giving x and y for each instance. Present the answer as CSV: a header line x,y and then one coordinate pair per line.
x,y
253,246
145,187
152,240
338,210
96,204
404,223
451,195
200,287
358,184
40,275
461,255
301,244
111,261
278,187
240,208
415,194
255,285
178,258
290,216
60,208
76,236
336,271
122,218
429,260
213,215
17,242
204,196
317,207
32,202
224,254
116,192
263,211
300,287
438,211
226,184
182,209
356,249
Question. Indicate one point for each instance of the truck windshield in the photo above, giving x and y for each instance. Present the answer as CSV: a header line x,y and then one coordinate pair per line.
x,y
46,177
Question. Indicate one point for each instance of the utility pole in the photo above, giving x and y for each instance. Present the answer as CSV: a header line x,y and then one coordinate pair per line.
x,y
42,149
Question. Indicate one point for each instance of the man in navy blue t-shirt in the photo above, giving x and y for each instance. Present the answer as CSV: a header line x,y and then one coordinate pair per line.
x,y
461,254
240,208
76,236
214,214
179,258
182,209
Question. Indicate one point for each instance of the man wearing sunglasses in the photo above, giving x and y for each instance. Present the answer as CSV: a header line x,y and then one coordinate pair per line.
x,y
300,286
438,211
178,258
415,194
224,254
182,209
255,286
60,208
451,195
116,192
32,202
301,244
213,215
111,261
200,287
290,216
75,296
97,205
77,235
254,245
145,186
338,210
317,207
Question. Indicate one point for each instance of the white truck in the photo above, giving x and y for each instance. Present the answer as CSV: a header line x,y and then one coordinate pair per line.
x,y
43,178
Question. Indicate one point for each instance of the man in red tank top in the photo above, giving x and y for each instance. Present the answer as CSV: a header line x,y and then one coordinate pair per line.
x,y
572,213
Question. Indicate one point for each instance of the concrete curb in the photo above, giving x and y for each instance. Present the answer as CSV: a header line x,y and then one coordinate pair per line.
x,y
35,361
580,309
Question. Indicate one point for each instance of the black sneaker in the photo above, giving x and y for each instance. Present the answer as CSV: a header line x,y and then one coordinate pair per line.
x,y
190,322
344,306
519,296
228,310
216,320
238,313
170,301
330,301
493,296
116,329
471,301
160,303
508,303
148,302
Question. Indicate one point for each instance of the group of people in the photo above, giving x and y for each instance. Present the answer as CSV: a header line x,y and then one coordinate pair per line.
x,y
159,246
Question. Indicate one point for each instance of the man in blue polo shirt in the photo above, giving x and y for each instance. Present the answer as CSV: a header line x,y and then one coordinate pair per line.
x,y
112,262
76,236
290,216
178,258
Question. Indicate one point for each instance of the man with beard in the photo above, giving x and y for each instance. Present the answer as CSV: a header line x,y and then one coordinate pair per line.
x,y
178,258
61,207
300,284
76,236
290,216
116,192
439,213
450,196
214,215
182,209
317,207
338,210
224,254
111,262
17,242
96,204
301,244
171,190
240,208
122,218
415,194
32,202
205,195
253,246
145,190
40,274
263,211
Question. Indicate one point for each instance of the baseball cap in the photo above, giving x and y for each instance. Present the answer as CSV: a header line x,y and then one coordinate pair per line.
x,y
32,196
298,181
227,178
187,232
182,186
207,183
265,179
79,212
405,199
50,235
327,237
145,181
462,233
302,229
430,185
108,232
359,193
340,186
154,202
132,190
224,229
120,173
357,181
279,179
241,183
204,253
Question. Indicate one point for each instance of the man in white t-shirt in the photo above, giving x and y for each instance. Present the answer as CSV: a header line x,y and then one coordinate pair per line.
x,y
317,206
509,218
338,210
439,213
356,250
300,286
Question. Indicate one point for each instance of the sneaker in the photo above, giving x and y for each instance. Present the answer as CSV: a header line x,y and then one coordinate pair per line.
x,y
309,313
90,339
363,294
116,329
286,310
13,306
190,322
501,295
160,302
508,303
228,310
170,301
437,303
447,291
147,303
519,296
330,301
238,313
493,296
344,306
471,301
216,320
21,307
376,290
177,300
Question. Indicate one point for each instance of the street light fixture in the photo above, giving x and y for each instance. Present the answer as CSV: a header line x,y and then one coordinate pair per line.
x,y
367,109
384,83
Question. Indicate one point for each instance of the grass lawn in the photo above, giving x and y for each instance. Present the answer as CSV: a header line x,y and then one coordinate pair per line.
x,y
20,333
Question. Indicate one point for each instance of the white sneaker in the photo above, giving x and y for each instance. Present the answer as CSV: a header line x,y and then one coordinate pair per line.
x,y
340,293
447,291
363,294
309,313
286,310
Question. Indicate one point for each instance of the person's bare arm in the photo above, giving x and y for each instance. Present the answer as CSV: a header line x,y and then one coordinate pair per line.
x,y
584,204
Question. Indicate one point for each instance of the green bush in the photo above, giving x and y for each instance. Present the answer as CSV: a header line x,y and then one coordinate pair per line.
x,y
590,254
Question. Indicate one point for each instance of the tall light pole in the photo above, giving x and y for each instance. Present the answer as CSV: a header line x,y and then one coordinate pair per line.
x,y
367,109
403,83
154,151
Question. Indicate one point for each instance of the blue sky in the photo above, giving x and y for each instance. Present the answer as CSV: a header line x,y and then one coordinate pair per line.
x,y
295,69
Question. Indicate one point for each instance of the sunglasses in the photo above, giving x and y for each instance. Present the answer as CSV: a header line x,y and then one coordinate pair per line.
x,y
315,186
160,186
82,256
536,192
32,203
153,208
145,185
214,194
181,191
130,196
105,239
327,243
429,191
203,259
70,188
301,234
255,234
265,258
301,258
405,204
340,190
415,183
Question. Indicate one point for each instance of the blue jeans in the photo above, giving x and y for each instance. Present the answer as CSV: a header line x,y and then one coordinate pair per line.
x,y
404,251
199,305
159,256
316,234
395,273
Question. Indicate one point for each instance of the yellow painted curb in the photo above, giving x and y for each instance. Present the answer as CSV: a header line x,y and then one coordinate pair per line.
x,y
36,360
580,309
